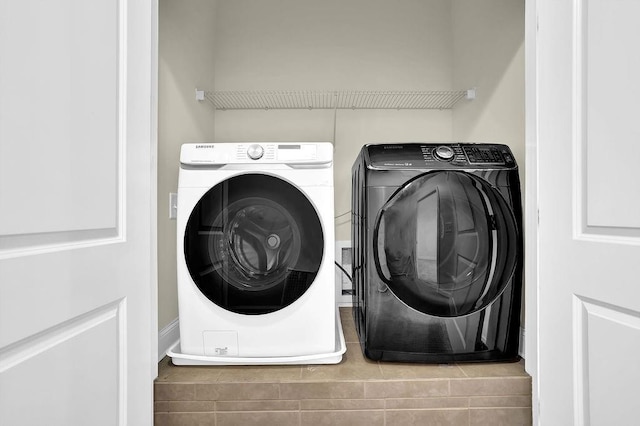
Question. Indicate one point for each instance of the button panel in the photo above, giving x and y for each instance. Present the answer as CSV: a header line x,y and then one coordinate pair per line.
x,y
255,152
484,155
455,154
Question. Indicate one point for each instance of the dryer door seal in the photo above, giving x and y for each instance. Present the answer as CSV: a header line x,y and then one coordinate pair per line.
x,y
253,244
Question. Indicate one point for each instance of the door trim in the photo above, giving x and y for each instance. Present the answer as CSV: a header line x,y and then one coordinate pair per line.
x,y
531,204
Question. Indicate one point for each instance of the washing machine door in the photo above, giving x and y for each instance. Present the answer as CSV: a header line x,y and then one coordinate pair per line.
x,y
446,243
253,244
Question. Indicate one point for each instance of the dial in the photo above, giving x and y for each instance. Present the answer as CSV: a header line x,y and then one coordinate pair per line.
x,y
255,152
444,153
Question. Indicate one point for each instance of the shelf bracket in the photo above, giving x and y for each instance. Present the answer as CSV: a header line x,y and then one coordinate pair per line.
x,y
471,93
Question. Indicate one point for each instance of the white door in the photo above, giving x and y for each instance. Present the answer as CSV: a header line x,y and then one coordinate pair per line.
x,y
77,301
588,136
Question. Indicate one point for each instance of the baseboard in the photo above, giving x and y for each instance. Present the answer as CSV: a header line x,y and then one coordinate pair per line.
x,y
167,337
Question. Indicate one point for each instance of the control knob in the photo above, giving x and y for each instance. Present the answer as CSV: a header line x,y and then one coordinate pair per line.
x,y
255,152
444,153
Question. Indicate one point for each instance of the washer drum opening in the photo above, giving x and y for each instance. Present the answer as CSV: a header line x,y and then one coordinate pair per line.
x,y
253,244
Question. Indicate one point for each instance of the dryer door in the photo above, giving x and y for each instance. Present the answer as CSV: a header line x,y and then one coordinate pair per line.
x,y
253,244
446,243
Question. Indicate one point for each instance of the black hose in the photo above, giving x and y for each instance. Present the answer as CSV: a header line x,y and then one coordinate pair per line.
x,y
344,271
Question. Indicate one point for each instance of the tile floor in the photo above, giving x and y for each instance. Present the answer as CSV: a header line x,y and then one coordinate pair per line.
x,y
355,392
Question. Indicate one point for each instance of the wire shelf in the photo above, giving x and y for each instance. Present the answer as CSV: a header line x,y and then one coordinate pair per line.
x,y
266,100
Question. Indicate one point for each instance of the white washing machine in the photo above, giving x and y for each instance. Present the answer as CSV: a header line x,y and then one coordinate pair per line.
x,y
256,282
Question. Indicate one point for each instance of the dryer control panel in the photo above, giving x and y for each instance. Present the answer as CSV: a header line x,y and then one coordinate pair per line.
x,y
439,156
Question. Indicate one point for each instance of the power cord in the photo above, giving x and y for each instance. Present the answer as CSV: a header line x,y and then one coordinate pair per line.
x,y
344,271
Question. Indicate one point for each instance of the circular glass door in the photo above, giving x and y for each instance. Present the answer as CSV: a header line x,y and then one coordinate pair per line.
x,y
253,244
446,243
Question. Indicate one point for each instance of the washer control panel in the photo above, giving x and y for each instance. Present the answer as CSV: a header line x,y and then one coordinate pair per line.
x,y
283,152
257,153
439,156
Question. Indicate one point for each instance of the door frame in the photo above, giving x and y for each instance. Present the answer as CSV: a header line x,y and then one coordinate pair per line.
x,y
153,214
531,204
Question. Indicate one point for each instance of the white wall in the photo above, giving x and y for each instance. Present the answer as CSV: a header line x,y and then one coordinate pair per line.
x,y
186,60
